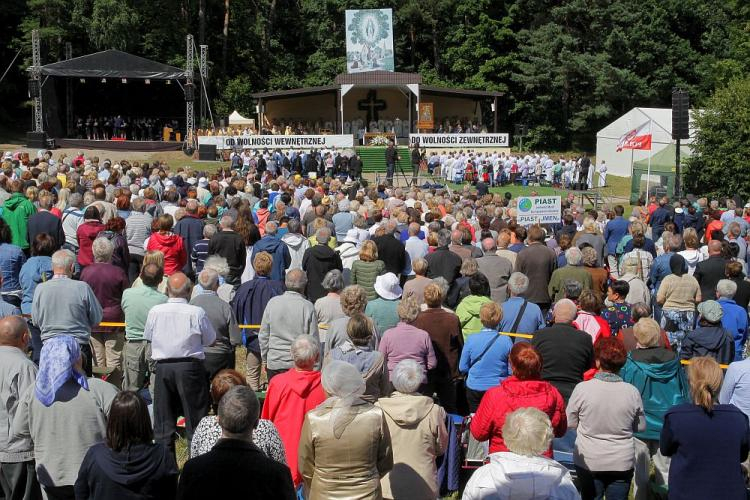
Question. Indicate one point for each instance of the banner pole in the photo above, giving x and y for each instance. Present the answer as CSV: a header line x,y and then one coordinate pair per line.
x,y
648,174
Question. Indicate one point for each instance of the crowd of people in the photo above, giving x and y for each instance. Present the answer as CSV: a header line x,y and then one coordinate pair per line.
x,y
105,128
368,316
499,169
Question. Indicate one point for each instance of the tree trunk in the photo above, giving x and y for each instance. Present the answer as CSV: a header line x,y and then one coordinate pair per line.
x,y
225,38
435,52
413,37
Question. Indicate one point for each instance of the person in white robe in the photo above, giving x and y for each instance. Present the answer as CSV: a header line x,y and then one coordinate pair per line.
x,y
602,174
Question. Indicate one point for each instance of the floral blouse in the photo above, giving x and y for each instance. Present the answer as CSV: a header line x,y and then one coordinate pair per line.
x,y
265,437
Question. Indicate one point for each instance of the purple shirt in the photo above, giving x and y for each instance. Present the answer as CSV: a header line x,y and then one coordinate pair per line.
x,y
405,341
108,282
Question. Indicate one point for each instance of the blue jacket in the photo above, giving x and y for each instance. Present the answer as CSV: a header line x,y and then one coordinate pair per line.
x,y
191,230
735,320
11,260
613,233
662,386
34,271
280,253
659,270
493,368
249,303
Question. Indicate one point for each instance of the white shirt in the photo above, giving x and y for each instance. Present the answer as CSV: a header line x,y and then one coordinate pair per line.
x,y
177,329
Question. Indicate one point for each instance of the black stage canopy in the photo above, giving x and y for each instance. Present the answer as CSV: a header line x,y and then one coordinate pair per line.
x,y
113,64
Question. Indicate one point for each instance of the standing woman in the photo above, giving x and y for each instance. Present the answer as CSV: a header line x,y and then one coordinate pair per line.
x,y
606,411
678,295
707,441
484,358
344,425
367,269
12,258
128,464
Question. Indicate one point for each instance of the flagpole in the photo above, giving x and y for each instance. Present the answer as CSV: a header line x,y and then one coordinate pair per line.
x,y
648,175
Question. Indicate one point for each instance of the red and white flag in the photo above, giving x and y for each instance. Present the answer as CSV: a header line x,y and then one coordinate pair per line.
x,y
638,138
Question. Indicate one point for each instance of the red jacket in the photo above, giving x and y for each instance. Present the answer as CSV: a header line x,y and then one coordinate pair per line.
x,y
86,234
173,248
509,396
289,397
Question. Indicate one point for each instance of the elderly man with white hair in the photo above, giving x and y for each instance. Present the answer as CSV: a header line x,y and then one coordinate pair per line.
x,y
285,318
62,306
220,355
567,351
523,473
572,271
734,318
418,435
520,315
108,282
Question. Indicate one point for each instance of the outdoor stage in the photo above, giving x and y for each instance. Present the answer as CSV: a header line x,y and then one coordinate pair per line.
x,y
147,146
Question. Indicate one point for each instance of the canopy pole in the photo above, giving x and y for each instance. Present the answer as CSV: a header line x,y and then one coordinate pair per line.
x,y
648,175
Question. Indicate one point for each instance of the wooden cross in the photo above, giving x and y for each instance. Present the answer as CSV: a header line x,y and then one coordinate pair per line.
x,y
372,105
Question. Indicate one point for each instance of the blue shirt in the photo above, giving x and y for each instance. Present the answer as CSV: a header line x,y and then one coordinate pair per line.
x,y
659,270
614,232
493,368
735,321
531,321
736,387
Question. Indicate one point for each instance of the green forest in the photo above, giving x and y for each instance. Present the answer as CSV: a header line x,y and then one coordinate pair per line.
x,y
566,67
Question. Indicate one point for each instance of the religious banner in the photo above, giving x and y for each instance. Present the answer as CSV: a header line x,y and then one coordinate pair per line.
x,y
426,116
460,140
539,210
304,142
369,40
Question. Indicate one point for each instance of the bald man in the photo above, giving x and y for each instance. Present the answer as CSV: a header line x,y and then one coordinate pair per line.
x,y
178,333
17,374
711,271
567,352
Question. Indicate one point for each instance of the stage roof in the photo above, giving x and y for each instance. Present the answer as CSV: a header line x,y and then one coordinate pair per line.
x,y
113,64
377,79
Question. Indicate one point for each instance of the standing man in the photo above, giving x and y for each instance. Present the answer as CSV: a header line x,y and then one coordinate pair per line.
x,y
178,333
62,306
190,228
317,261
615,230
16,211
285,318
583,176
229,244
355,167
391,157
537,261
391,250
497,270
17,374
136,304
416,159
44,221
220,355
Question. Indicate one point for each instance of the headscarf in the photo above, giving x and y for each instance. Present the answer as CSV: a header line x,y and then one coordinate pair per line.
x,y
56,366
678,265
344,385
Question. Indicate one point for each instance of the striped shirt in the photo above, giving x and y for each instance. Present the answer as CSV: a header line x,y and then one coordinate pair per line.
x,y
137,229
198,255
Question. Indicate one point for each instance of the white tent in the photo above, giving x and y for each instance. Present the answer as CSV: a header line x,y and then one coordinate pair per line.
x,y
237,119
608,137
